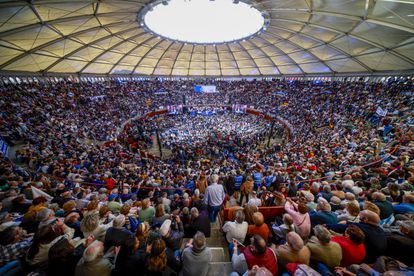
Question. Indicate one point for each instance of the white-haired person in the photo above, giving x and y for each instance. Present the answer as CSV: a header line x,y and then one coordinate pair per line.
x,y
214,197
94,262
293,251
117,234
323,213
322,249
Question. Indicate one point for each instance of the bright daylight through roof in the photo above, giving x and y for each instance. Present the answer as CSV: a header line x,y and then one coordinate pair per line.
x,y
204,21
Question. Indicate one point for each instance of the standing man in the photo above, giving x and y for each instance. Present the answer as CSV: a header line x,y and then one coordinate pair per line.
x,y
214,198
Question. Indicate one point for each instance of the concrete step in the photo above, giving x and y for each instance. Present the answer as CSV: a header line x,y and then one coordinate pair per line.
x,y
217,254
216,242
220,269
215,233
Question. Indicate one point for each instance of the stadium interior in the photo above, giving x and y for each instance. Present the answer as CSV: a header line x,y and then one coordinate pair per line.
x,y
206,137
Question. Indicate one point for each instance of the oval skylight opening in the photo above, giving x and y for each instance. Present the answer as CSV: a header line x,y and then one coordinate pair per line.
x,y
203,21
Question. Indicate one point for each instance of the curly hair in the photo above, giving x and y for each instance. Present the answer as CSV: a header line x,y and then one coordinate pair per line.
x,y
90,222
355,234
157,261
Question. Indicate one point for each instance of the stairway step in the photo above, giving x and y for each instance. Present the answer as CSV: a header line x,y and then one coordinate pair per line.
x,y
215,233
216,242
217,254
220,268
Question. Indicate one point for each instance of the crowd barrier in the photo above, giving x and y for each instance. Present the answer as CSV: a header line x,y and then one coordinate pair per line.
x,y
269,213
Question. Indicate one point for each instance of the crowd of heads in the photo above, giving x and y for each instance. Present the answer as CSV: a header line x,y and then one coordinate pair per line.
x,y
82,190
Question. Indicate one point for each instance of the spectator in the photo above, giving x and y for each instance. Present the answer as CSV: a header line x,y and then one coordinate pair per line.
x,y
117,235
246,188
375,240
257,253
407,205
172,238
323,249
199,222
214,197
352,244
147,212
94,262
13,244
259,227
323,215
196,256
236,229
45,237
300,216
254,200
293,251
400,243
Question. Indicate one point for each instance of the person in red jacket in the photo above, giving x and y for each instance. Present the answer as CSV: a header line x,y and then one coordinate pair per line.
x,y
352,244
257,253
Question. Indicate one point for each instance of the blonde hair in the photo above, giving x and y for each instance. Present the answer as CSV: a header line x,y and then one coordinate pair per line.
x,y
371,207
258,219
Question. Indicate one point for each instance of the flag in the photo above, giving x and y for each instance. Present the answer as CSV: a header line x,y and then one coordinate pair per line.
x,y
38,193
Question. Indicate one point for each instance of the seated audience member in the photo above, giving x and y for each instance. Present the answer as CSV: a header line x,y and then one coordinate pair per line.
x,y
117,234
160,215
46,236
335,203
257,253
114,203
158,262
94,262
129,258
90,225
375,239
145,235
293,251
254,200
386,209
323,215
407,205
199,222
259,227
172,237
64,255
131,221
400,243
352,244
322,249
147,212
326,193
248,211
196,256
300,216
234,200
236,229
280,231
350,213
13,244
310,200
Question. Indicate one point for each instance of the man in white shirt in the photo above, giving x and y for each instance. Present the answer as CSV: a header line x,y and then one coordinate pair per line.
x,y
214,197
254,201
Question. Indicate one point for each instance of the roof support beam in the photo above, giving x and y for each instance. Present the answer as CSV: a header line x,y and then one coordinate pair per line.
x,y
146,54
31,51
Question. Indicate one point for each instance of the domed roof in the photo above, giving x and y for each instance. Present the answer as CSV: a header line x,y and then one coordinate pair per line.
x,y
301,37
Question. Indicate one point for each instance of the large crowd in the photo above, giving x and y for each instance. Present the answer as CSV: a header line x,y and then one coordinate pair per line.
x,y
78,197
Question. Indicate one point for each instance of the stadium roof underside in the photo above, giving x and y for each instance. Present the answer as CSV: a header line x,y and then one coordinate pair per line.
x,y
303,37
